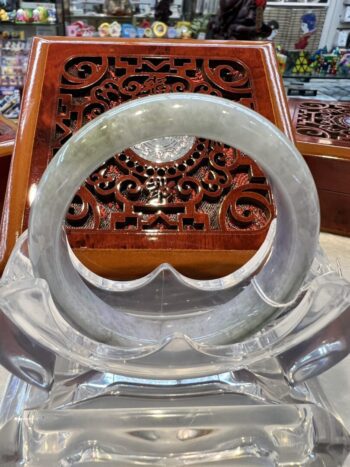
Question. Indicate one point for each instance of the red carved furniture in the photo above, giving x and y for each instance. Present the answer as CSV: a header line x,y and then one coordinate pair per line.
x,y
206,213
7,138
322,131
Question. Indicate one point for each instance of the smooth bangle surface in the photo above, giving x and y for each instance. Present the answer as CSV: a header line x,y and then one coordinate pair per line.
x,y
176,115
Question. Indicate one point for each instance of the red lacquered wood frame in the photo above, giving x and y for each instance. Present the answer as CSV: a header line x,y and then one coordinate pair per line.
x,y
8,130
113,232
322,131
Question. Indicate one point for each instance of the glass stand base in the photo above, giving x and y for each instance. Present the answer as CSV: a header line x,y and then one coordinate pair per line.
x,y
221,434
231,419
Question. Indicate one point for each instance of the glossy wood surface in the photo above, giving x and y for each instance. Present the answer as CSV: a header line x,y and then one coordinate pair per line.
x,y
321,127
71,81
8,130
322,131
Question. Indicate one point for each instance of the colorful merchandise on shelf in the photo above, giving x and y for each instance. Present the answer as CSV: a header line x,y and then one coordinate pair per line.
x,y
127,30
302,64
172,34
9,101
282,58
13,62
199,27
325,63
80,29
184,29
24,16
8,34
4,16
159,29
52,16
111,30
148,32
140,32
104,30
115,29
15,45
344,64
8,16
12,16
145,23
39,15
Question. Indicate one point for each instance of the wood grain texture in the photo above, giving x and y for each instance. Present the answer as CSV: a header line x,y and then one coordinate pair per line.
x,y
8,130
335,212
128,204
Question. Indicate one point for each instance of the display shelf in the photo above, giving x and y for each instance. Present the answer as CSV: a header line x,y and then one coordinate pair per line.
x,y
98,16
300,3
13,59
48,23
94,11
330,89
333,24
11,23
120,19
38,29
96,20
307,78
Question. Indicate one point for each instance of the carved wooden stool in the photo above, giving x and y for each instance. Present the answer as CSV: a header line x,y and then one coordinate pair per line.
x,y
206,213
7,139
323,137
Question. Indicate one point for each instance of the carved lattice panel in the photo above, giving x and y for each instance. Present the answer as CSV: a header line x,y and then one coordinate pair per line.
x,y
212,188
323,137
211,198
324,120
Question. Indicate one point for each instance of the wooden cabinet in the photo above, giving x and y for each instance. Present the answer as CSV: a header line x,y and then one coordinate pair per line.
x,y
322,131
114,224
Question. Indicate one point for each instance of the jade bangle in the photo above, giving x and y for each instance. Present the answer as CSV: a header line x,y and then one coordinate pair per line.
x,y
244,309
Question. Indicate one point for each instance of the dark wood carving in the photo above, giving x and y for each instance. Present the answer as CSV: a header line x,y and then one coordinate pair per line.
x,y
324,120
211,199
323,137
211,189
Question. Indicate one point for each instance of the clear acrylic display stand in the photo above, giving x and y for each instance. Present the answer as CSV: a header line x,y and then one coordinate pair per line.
x,y
207,372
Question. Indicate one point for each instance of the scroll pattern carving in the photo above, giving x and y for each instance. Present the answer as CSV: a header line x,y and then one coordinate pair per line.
x,y
211,188
324,120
